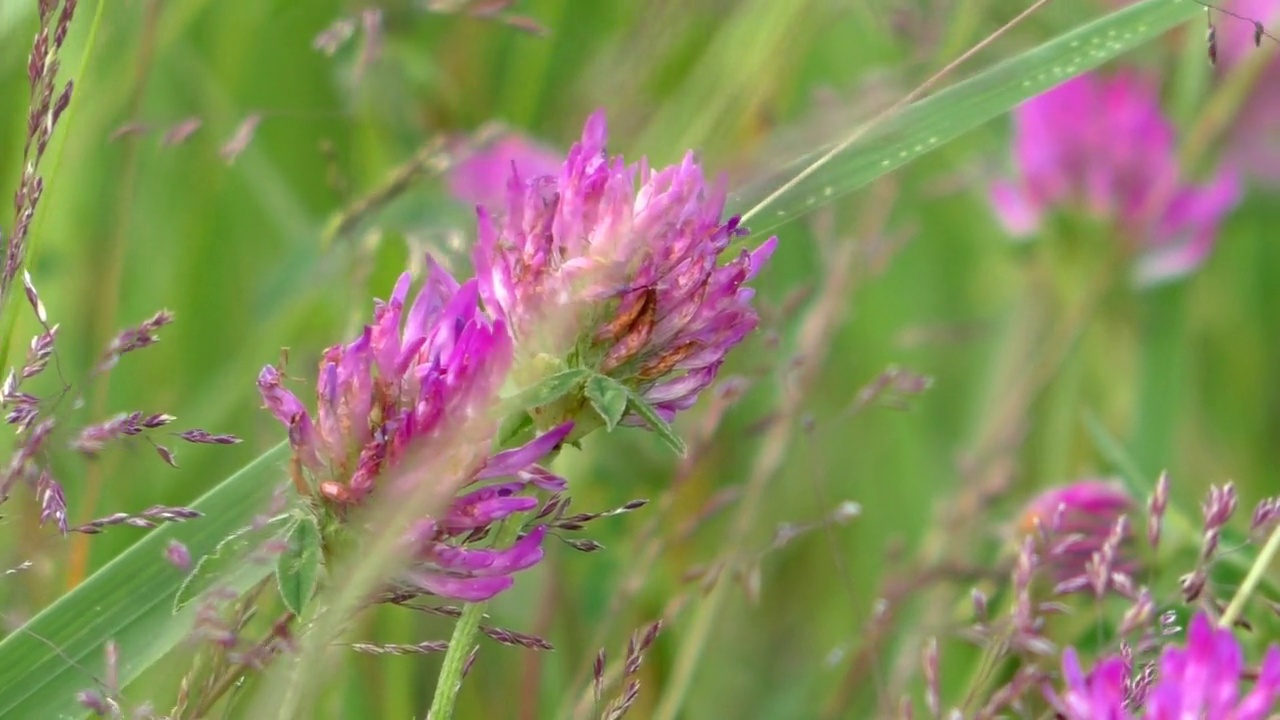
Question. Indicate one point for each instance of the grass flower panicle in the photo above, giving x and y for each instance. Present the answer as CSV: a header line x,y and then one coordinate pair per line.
x,y
1238,34
46,107
36,422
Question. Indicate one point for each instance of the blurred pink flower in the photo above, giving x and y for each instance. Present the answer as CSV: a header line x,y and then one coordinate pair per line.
x,y
1200,680
1253,141
1103,146
1236,36
1077,520
481,178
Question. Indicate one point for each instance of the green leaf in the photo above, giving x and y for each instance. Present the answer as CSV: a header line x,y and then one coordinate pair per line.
x,y
215,568
931,123
513,428
299,568
660,426
609,398
59,652
549,389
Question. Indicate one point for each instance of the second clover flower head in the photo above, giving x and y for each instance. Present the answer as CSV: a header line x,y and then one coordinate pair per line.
x,y
1103,146
1201,680
615,268
481,177
418,371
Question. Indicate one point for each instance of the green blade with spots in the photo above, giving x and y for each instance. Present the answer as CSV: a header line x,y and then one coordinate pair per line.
x,y
838,169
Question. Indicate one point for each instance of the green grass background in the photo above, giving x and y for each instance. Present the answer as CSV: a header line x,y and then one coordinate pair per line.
x,y
1184,376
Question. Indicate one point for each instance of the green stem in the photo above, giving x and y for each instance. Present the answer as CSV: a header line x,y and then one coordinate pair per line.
x,y
464,638
1252,579
455,659
1163,362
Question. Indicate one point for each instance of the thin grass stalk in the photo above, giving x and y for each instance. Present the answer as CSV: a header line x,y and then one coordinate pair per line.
x,y
920,91
449,682
108,280
1256,571
829,311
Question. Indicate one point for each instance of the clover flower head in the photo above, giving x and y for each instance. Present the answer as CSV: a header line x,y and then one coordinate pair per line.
x,y
1199,680
417,371
614,267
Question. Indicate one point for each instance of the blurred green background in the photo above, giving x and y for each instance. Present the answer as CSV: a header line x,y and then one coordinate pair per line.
x,y
1184,376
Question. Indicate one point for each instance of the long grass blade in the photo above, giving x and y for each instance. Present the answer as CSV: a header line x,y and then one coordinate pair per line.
x,y
834,171
60,652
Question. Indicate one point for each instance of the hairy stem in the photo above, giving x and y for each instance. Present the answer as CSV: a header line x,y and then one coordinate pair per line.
x,y
464,639
455,659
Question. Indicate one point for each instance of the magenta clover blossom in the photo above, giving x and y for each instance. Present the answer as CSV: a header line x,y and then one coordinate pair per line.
x,y
1199,680
615,268
416,372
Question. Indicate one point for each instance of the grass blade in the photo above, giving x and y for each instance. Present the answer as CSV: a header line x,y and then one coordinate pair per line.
x,y
930,123
59,652
1139,484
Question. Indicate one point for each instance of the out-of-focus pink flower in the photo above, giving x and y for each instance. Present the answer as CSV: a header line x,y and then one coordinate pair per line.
x,y
1102,146
481,178
615,268
1200,680
1252,143
1236,36
1253,140
1077,520
418,371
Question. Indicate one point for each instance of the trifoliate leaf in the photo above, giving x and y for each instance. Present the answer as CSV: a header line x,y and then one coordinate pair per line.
x,y
230,554
609,398
549,389
638,405
298,570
